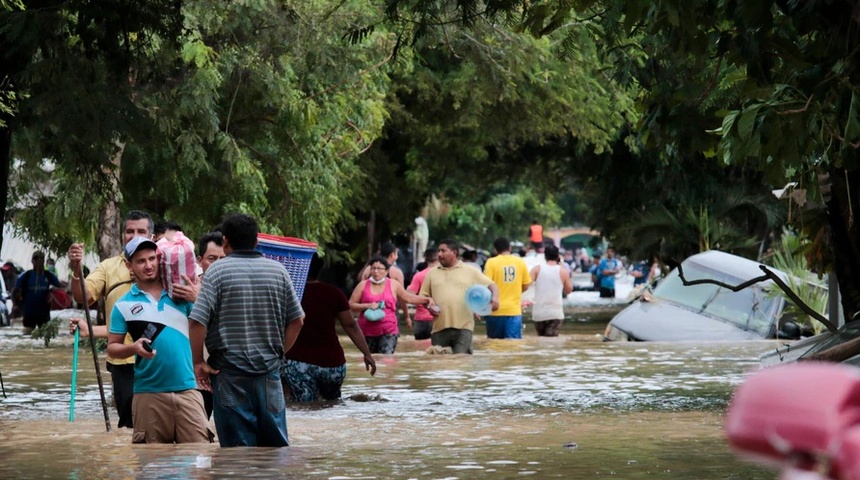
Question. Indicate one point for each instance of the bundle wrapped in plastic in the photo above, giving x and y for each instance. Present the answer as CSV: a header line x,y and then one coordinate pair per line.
x,y
176,258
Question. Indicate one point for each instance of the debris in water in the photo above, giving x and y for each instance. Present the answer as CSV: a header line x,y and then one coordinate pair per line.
x,y
437,350
363,397
203,461
570,446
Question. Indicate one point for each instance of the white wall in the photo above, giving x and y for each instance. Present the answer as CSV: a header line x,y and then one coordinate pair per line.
x,y
20,250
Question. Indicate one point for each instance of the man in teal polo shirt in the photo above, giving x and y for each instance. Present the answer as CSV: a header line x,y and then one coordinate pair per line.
x,y
165,393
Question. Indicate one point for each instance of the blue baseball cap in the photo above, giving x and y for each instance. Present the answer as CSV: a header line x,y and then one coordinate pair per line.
x,y
136,244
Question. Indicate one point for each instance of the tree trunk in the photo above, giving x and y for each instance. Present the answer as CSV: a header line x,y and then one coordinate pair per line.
x,y
109,234
5,162
371,232
843,215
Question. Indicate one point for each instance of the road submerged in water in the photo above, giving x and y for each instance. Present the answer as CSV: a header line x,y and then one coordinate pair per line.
x,y
565,407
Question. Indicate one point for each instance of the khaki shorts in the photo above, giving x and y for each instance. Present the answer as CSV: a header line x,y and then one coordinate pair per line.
x,y
173,417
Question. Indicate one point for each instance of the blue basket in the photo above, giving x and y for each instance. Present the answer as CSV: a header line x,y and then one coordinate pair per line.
x,y
293,253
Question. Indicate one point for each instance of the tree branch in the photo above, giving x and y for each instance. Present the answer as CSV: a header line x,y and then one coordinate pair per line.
x,y
768,274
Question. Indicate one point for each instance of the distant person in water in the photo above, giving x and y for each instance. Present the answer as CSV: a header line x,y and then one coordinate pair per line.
x,y
389,251
511,275
608,268
536,236
380,294
552,284
31,290
423,323
447,284
470,258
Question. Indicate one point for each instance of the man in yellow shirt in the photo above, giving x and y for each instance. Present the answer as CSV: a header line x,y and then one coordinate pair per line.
x,y
109,281
447,284
511,274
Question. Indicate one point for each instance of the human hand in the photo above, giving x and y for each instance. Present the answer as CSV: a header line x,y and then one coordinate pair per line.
x,y
370,364
433,308
143,348
202,371
186,292
75,254
79,324
495,304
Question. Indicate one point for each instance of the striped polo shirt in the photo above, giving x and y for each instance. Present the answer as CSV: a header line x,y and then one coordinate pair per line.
x,y
245,303
165,323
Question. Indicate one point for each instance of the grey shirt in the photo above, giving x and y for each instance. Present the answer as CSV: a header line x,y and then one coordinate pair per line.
x,y
245,303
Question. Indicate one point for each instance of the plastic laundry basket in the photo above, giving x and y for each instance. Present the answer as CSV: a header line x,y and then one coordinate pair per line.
x,y
293,253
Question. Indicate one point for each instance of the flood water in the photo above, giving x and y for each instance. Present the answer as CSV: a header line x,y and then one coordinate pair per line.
x,y
565,407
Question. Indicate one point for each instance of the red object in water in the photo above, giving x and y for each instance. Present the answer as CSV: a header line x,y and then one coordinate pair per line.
x,y
799,416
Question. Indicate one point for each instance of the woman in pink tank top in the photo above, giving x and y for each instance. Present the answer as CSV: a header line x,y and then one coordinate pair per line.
x,y
375,300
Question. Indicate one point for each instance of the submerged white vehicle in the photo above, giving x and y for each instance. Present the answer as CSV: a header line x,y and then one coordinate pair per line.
x,y
677,312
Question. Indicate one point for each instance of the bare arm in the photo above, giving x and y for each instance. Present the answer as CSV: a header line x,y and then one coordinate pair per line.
x,y
99,331
76,254
355,299
535,272
202,370
364,274
494,289
354,333
292,332
565,281
396,275
408,296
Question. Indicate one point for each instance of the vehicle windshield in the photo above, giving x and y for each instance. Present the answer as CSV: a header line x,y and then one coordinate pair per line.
x,y
749,309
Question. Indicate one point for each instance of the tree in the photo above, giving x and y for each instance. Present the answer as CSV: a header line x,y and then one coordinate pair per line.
x,y
779,74
209,112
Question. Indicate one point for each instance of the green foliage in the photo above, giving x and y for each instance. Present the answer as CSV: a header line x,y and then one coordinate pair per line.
x,y
789,257
47,331
493,215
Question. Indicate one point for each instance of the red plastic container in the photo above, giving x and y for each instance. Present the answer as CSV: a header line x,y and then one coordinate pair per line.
x,y
797,415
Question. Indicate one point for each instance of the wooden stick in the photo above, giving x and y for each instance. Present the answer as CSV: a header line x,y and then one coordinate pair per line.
x,y
80,274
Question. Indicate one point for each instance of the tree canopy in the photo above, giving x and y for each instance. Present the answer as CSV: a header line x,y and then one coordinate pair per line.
x,y
671,121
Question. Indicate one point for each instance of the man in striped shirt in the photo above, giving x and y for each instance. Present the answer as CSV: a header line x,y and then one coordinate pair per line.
x,y
249,314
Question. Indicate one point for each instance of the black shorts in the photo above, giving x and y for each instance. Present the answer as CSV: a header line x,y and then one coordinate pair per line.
x,y
607,292
422,329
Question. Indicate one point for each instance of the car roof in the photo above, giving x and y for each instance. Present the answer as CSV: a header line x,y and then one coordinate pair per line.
x,y
738,267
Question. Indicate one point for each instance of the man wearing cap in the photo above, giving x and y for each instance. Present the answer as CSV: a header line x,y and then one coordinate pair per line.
x,y
31,292
165,390
249,314
108,282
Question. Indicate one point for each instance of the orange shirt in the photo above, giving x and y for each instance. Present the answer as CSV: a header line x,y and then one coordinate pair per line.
x,y
536,233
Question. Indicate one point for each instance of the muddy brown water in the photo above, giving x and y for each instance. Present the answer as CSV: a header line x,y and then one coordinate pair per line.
x,y
565,407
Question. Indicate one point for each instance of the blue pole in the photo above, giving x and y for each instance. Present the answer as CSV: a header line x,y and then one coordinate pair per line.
x,y
74,375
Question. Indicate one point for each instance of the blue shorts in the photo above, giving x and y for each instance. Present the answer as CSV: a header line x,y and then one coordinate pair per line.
x,y
499,326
